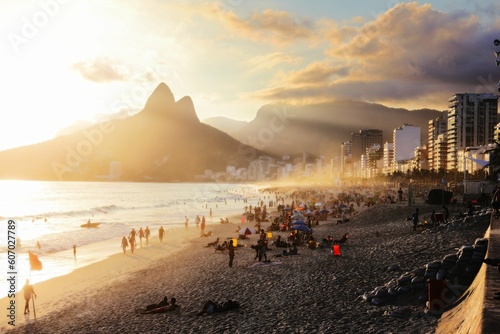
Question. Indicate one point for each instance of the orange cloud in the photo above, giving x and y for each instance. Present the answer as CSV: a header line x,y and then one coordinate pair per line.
x,y
268,61
99,70
276,27
411,54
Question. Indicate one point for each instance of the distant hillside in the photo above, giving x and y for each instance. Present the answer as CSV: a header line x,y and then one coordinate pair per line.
x,y
164,142
321,128
229,126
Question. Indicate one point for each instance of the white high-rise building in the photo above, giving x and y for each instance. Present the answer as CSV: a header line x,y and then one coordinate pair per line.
x,y
471,123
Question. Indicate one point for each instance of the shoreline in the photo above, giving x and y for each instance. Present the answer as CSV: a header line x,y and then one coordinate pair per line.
x,y
115,267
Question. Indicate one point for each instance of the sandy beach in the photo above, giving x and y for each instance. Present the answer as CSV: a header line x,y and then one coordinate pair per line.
x,y
313,292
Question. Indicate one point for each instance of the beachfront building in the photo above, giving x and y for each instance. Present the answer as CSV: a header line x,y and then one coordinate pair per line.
x,y
420,160
439,153
473,159
496,133
471,122
437,142
369,161
406,139
364,139
388,158
346,159
259,169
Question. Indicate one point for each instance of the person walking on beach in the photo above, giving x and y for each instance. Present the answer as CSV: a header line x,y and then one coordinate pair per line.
x,y
132,244
197,222
28,292
124,244
74,252
231,253
147,232
414,218
161,232
141,235
202,226
186,222
132,234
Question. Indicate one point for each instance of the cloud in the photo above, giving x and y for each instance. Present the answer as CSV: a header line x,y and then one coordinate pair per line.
x,y
270,26
99,70
316,73
271,60
409,54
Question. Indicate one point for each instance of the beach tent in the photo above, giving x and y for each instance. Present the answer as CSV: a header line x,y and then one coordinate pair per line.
x,y
247,231
439,196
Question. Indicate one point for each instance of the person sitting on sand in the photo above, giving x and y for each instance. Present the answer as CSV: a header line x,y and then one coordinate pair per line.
x,y
222,247
171,307
214,243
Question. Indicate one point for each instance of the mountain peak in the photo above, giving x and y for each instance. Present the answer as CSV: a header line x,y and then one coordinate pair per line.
x,y
160,100
185,110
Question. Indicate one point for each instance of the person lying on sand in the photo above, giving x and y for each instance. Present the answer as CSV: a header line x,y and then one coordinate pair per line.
x,y
163,302
212,307
171,307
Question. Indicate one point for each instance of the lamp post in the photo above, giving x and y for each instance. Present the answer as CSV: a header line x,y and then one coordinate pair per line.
x,y
467,149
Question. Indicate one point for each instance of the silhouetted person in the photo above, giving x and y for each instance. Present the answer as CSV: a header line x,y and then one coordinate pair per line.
x,y
231,253
28,292
161,232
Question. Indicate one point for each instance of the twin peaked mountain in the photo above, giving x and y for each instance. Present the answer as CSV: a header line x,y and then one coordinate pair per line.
x,y
166,141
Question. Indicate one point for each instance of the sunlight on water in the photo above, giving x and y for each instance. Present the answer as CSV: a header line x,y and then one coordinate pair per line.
x,y
51,213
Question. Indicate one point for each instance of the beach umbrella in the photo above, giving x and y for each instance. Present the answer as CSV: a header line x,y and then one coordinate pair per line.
x,y
247,231
300,227
342,206
299,222
318,204
324,211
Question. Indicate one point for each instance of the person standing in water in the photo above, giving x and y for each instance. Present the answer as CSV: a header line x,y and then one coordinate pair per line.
x,y
74,251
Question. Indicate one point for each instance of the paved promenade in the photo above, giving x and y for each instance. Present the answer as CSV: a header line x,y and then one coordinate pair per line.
x,y
478,311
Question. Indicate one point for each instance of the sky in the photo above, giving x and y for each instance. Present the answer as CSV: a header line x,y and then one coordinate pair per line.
x,y
69,63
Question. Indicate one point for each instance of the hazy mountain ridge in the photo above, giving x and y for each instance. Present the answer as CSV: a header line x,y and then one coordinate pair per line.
x,y
227,125
320,129
166,141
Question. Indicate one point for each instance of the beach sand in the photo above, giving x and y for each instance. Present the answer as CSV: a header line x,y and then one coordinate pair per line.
x,y
313,292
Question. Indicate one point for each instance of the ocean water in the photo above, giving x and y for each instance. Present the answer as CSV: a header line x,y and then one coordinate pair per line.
x,y
51,213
